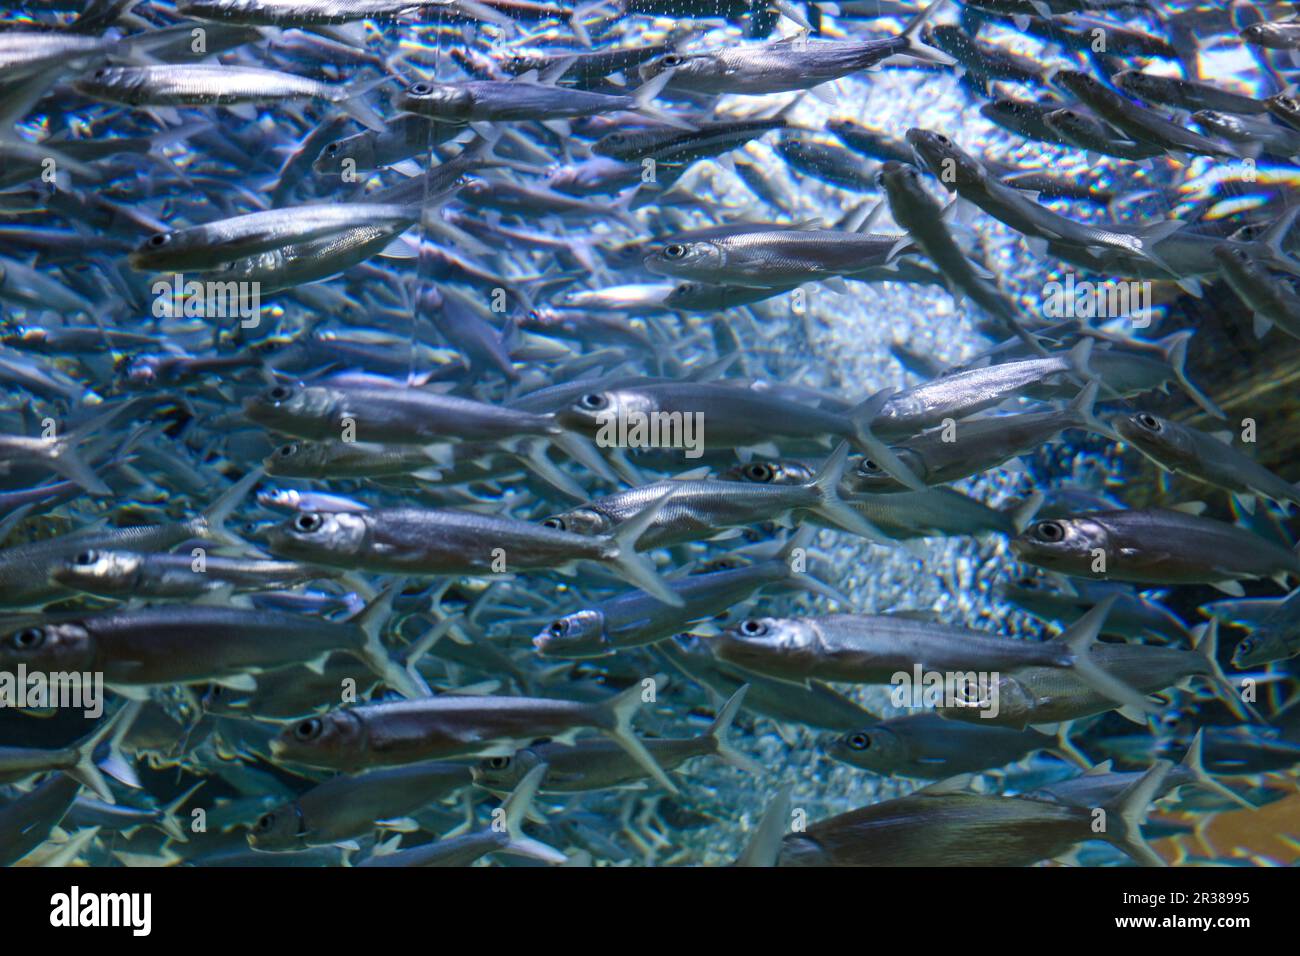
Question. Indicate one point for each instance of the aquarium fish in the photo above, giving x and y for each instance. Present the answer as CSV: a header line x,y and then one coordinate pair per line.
x,y
77,760
1185,94
793,63
219,84
457,725
779,258
1271,298
446,541
964,174
635,618
975,445
1141,124
874,649
192,644
946,824
928,746
503,835
597,764
1154,546
1210,458
1045,698
214,244
26,822
347,807
699,509
134,574
25,569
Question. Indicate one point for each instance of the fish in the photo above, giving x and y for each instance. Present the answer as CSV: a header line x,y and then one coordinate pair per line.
x,y
925,745
599,764
871,649
508,837
346,807
785,65
1209,458
456,725
407,541
931,826
439,422
1043,698
204,84
1153,546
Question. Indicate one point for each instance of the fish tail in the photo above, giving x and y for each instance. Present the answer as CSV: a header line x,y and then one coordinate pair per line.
x,y
584,452
168,821
922,51
833,507
213,521
1124,817
862,416
85,771
403,678
717,732
67,461
1176,352
351,100
1082,414
1079,639
1023,513
1207,645
764,849
793,558
1195,765
532,453
617,722
635,568
515,810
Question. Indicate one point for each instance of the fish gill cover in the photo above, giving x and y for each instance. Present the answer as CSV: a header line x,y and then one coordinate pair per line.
x,y
650,432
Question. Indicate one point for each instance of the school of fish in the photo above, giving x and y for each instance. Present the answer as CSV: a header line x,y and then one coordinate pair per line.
x,y
647,432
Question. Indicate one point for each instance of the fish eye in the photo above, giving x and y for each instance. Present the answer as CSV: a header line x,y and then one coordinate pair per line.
x,y
29,638
287,451
869,467
593,400
1148,421
556,523
420,89
752,628
1049,531
85,557
674,251
308,522
858,742
332,148
498,763
280,393
308,729
559,627
673,59
159,239
1027,583
942,140
101,73
758,471
265,822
